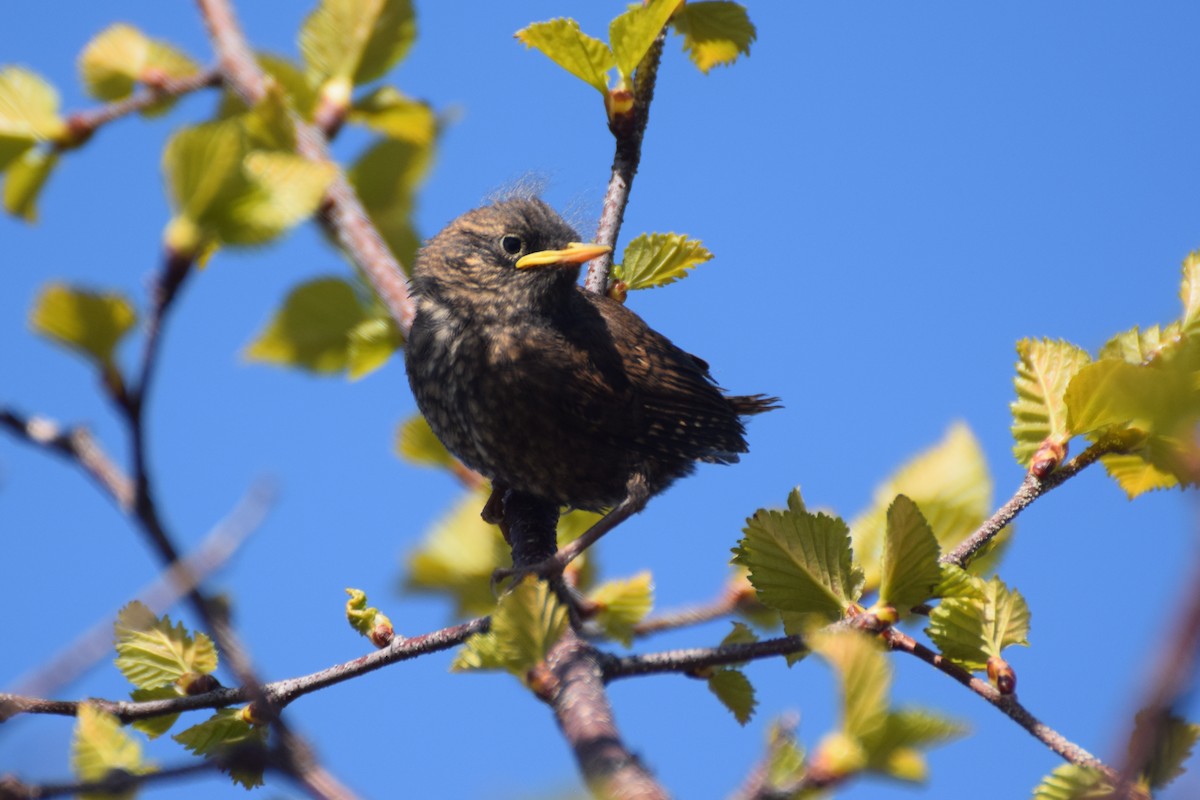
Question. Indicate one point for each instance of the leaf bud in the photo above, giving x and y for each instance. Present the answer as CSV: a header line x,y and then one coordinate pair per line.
x,y
619,291
194,683
1001,675
1048,457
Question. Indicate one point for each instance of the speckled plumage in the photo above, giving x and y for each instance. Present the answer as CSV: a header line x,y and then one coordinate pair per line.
x,y
546,388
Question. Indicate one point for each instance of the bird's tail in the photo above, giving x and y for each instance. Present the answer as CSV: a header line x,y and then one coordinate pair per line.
x,y
748,404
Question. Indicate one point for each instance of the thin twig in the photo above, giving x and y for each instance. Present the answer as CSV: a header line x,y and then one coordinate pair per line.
x,y
82,124
1030,489
629,130
694,659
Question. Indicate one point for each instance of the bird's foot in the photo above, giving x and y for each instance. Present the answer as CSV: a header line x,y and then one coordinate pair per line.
x,y
493,510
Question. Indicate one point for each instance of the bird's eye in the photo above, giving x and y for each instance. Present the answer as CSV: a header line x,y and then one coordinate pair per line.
x,y
512,244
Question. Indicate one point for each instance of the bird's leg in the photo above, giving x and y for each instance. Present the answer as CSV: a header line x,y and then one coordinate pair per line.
x,y
493,509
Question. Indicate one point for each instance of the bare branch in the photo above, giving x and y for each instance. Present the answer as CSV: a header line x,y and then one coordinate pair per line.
x,y
695,659
82,124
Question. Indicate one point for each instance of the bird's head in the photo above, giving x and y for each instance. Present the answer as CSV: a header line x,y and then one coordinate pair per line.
x,y
517,251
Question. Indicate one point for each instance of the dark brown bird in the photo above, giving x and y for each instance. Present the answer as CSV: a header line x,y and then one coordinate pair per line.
x,y
551,390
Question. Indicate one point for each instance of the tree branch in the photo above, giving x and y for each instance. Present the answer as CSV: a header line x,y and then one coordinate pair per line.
x,y
81,125
692,660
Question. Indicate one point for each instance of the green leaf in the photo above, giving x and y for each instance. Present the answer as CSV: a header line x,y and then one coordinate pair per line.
x,y
363,618
313,329
121,56
283,191
785,764
288,80
223,730
1138,346
372,343
866,679
566,45
28,113
949,482
657,259
910,573
24,181
714,32
356,40
91,323
957,582
735,692
1173,747
154,727
99,746
385,110
915,727
622,604
1189,295
151,652
417,444
1071,782
1039,412
632,33
969,631
458,555
1136,476
800,562
740,634
386,178
527,622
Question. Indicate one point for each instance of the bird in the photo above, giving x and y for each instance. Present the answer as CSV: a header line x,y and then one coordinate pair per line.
x,y
547,389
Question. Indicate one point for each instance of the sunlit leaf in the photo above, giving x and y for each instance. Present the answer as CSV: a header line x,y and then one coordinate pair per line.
x,y
527,622
735,692
99,746
565,44
283,191
151,652
1072,782
223,730
1173,747
372,343
1189,295
91,323
632,33
356,40
622,604
28,113
715,32
386,178
387,111
121,56
910,572
1039,412
657,259
417,444
969,630
290,79
1140,345
24,181
865,679
154,727
313,328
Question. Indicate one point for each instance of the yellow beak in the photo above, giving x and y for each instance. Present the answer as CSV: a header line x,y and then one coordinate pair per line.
x,y
574,253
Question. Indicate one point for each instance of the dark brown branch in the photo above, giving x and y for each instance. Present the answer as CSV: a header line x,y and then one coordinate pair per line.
x,y
1008,704
82,124
629,129
694,659
115,783
75,443
343,213
1030,489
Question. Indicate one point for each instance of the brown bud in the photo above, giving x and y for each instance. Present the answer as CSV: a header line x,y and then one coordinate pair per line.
x,y
880,617
1001,675
251,715
382,633
541,681
619,291
194,683
619,103
1048,457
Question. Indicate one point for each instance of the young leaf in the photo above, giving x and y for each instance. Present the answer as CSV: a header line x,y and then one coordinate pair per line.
x,y
566,45
800,562
151,652
223,730
740,634
154,727
632,33
1173,747
622,604
387,111
735,692
786,763
386,178
91,323
910,572
1138,346
1189,294
356,41
1071,782
372,343
417,444
657,259
714,32
312,330
527,622
1136,476
969,631
28,113
282,191
1039,412
121,56
24,181
100,745
949,482
866,679
288,79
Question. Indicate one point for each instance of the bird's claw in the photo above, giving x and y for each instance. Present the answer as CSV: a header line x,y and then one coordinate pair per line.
x,y
548,570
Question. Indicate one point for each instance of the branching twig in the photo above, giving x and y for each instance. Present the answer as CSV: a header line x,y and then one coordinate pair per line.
x,y
697,658
82,124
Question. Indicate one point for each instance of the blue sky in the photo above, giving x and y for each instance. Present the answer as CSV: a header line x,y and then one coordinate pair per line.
x,y
895,195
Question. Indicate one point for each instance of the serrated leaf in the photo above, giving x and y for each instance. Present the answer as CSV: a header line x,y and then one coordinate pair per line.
x,y
714,33
735,692
457,555
283,191
1173,747
527,622
865,678
657,259
385,110
800,562
1136,476
1110,393
1189,295
632,33
24,181
313,329
969,631
1139,346
741,634
909,571
565,44
154,727
356,40
99,746
91,323
957,582
417,444
386,178
1039,413
949,482
1071,782
221,731
121,56
622,604
151,652
28,113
